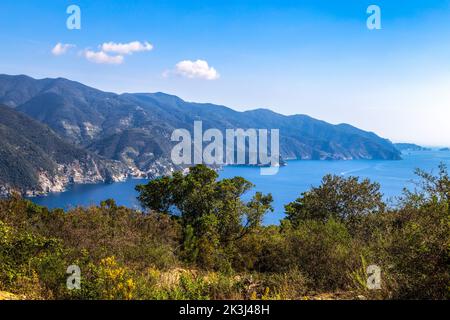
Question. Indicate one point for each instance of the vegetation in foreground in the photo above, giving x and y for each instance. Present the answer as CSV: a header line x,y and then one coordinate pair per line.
x,y
198,239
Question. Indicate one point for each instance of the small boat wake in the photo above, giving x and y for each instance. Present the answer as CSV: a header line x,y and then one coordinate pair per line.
x,y
346,173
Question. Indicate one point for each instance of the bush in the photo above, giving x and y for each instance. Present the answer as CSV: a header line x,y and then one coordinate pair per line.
x,y
322,249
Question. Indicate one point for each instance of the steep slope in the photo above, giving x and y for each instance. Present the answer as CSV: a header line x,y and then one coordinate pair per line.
x,y
136,128
34,160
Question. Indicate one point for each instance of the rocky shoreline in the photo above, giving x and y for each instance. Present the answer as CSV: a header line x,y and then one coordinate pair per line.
x,y
76,174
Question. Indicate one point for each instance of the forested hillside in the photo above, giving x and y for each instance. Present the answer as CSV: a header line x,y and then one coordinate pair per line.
x,y
33,159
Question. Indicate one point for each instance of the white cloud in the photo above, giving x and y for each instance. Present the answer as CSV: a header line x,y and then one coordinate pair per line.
x,y
126,48
195,70
61,48
113,53
102,57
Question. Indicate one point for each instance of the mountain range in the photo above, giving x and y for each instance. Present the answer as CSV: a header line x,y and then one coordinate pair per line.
x,y
129,134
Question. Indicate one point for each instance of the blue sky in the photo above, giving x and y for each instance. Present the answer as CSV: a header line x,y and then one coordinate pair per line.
x,y
312,57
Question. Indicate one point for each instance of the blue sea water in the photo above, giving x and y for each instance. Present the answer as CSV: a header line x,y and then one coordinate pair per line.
x,y
298,176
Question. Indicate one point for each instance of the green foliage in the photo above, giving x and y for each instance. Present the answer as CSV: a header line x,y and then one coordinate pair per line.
x,y
344,199
325,252
416,254
25,257
201,241
37,246
190,246
212,212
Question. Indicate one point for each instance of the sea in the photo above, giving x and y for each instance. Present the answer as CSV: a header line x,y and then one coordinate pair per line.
x,y
296,177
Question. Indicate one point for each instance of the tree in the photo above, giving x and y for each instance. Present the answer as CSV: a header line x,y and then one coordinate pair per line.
x,y
213,209
430,188
419,250
344,199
